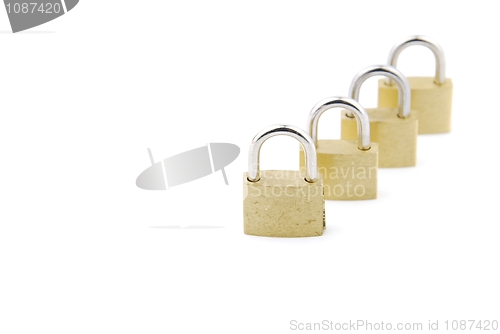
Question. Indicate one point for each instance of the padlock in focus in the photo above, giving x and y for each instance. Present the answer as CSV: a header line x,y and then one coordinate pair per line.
x,y
431,96
395,130
349,167
282,203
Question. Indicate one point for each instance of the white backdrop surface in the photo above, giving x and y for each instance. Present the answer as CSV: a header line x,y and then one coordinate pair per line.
x,y
83,250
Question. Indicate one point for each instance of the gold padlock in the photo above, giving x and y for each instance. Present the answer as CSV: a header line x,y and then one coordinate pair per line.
x,y
283,203
394,130
432,97
348,167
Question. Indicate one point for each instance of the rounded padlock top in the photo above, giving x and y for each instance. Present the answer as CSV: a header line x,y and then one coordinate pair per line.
x,y
345,103
282,130
404,96
428,43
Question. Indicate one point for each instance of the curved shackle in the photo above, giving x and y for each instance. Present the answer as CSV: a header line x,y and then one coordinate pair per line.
x,y
428,43
404,96
351,105
282,130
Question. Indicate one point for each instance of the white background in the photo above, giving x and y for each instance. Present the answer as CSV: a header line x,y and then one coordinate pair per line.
x,y
82,98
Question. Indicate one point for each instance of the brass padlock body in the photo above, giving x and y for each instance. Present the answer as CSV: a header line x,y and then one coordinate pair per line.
x,y
432,101
396,137
283,204
348,172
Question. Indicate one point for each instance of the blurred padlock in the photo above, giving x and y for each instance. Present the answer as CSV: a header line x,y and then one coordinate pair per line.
x,y
283,203
394,130
348,167
431,96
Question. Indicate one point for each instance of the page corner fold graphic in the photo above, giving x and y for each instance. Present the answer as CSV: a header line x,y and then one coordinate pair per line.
x,y
25,14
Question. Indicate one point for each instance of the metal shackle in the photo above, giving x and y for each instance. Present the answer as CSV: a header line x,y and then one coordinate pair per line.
x,y
404,96
351,105
428,43
282,130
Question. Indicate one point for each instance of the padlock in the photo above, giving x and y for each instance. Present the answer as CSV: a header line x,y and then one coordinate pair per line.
x,y
283,203
430,96
394,130
348,167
